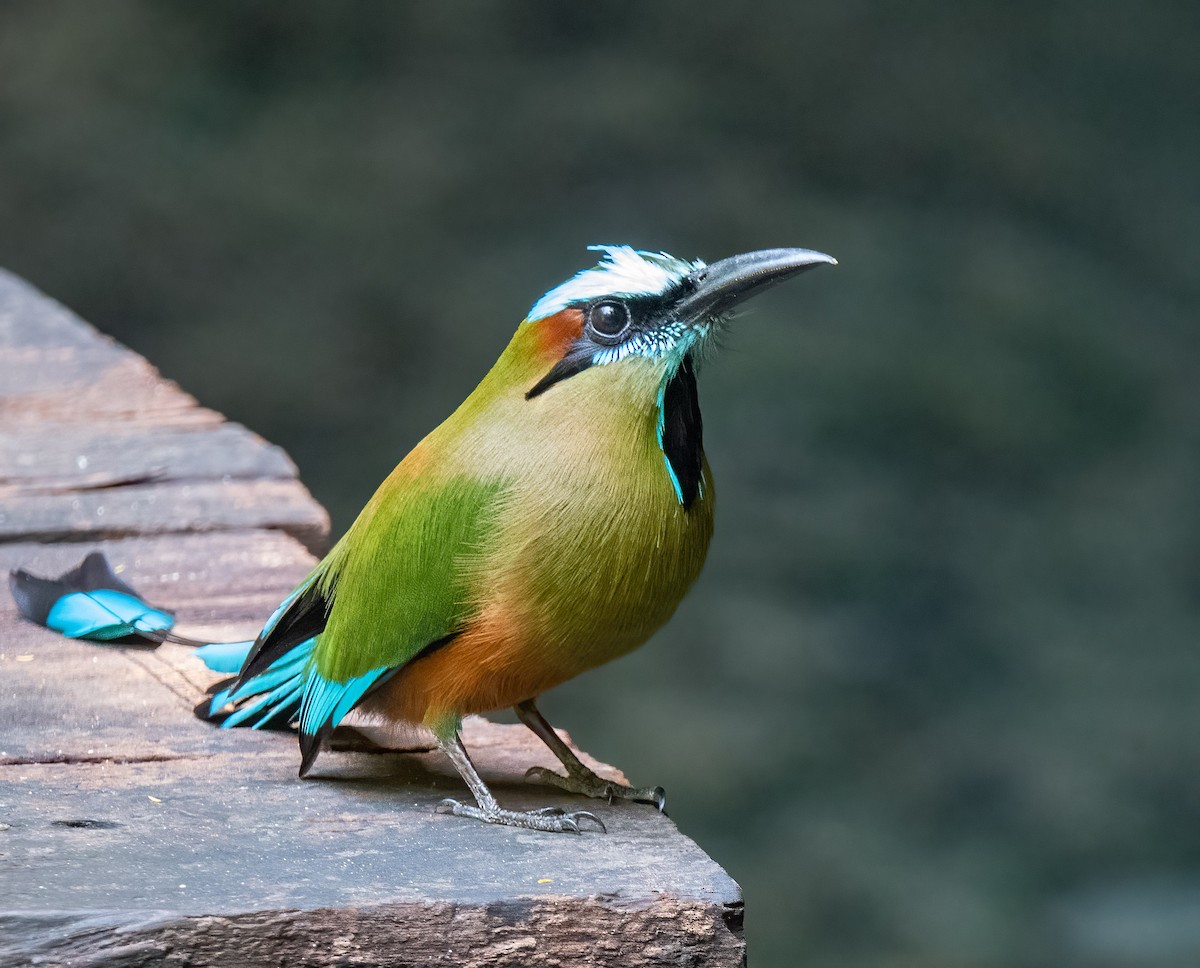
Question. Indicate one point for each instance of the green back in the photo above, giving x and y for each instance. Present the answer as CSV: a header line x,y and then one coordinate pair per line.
x,y
401,576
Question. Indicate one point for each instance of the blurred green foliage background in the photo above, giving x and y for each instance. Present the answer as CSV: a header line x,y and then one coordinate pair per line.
x,y
933,702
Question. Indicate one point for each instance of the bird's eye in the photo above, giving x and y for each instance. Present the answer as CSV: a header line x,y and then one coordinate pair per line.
x,y
608,319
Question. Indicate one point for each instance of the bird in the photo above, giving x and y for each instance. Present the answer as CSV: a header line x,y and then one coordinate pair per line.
x,y
551,524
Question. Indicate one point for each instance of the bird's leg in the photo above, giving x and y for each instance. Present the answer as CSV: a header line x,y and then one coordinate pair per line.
x,y
579,778
551,819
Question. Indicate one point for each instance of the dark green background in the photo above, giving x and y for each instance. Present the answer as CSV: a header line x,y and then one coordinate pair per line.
x,y
933,702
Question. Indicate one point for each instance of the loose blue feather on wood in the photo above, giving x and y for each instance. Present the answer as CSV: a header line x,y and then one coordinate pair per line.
x,y
89,602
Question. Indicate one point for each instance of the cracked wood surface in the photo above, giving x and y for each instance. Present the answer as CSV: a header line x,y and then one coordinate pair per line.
x,y
133,834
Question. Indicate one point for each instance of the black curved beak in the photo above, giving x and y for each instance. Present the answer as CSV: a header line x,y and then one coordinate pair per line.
x,y
721,286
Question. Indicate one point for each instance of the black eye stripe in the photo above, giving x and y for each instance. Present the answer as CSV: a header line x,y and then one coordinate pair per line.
x,y
568,366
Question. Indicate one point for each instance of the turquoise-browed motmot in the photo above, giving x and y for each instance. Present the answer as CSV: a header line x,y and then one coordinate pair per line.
x,y
552,523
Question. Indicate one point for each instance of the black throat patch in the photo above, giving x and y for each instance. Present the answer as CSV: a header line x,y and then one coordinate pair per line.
x,y
683,432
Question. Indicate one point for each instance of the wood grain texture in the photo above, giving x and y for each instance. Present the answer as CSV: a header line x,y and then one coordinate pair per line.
x,y
84,418
132,833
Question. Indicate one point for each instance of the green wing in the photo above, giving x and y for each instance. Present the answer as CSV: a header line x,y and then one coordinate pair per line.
x,y
401,577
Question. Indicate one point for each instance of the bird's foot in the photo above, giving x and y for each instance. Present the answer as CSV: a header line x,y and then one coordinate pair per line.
x,y
550,819
588,784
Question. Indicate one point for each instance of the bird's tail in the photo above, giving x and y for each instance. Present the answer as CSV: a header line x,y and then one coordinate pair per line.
x,y
276,681
268,700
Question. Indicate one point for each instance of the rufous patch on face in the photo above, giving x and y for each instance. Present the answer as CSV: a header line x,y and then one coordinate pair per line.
x,y
556,334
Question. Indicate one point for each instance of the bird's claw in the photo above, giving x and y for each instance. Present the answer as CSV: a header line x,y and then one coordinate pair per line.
x,y
572,818
578,816
590,785
659,799
549,819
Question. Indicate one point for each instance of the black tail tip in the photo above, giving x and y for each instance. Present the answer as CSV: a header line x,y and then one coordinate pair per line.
x,y
203,710
310,749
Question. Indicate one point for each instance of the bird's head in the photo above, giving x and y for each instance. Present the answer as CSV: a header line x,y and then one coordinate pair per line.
x,y
610,354
650,306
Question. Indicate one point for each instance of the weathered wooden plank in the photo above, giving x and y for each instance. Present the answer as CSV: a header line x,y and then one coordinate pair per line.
x,y
187,506
86,457
545,932
95,443
54,367
132,829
